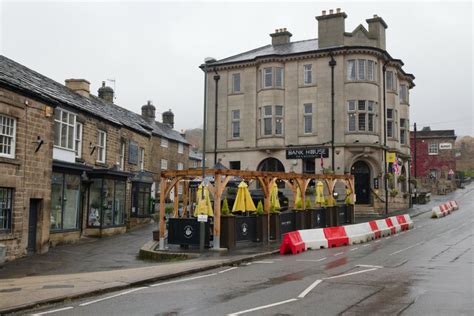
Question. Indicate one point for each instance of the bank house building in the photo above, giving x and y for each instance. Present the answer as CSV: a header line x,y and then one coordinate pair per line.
x,y
314,106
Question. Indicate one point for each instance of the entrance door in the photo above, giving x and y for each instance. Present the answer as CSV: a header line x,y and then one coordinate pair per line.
x,y
32,224
361,172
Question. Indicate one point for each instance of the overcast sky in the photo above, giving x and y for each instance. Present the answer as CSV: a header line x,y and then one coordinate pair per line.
x,y
153,49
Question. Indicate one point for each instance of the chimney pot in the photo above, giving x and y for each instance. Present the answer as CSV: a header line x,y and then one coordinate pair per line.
x,y
148,112
106,93
331,11
324,12
338,10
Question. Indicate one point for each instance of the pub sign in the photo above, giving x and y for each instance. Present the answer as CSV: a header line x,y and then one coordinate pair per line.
x,y
307,152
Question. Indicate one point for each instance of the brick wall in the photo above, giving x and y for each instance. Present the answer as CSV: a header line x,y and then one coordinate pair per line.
x,y
29,173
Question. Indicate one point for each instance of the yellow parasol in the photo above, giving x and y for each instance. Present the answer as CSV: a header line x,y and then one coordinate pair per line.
x,y
274,201
319,193
243,200
298,199
204,207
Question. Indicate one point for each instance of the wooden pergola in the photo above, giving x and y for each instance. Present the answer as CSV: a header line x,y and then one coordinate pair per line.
x,y
172,178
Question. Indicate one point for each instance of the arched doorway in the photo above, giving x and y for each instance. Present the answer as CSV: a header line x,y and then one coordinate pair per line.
x,y
361,172
273,165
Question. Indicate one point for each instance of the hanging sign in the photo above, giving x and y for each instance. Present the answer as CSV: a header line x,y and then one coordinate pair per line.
x,y
391,157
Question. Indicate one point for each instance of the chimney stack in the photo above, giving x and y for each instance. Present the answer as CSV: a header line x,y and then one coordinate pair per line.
x,y
281,36
148,112
106,93
331,28
377,28
80,86
168,118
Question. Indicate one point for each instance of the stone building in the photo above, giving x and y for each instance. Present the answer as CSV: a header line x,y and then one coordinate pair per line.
x,y
435,159
275,105
95,171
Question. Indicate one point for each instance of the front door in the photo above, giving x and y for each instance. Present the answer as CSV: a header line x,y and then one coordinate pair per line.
x,y
32,225
361,172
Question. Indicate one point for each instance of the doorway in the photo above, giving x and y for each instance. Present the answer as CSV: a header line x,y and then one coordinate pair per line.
x,y
361,172
32,224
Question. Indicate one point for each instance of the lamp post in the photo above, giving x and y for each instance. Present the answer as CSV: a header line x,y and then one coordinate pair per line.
x,y
202,225
332,64
216,79
384,69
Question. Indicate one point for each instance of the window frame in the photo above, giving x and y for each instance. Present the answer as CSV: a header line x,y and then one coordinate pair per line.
x,y
235,123
180,166
180,148
114,204
12,145
63,208
308,74
6,209
58,131
357,109
279,120
164,142
101,148
141,191
78,139
308,116
123,144
267,72
234,81
164,164
391,120
142,158
279,72
403,129
433,148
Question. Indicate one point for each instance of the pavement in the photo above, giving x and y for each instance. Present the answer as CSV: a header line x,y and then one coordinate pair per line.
x,y
96,266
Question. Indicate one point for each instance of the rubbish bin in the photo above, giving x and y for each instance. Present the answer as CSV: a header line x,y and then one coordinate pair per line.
x,y
3,254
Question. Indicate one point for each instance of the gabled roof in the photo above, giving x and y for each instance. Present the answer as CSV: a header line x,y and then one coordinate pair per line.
x,y
17,76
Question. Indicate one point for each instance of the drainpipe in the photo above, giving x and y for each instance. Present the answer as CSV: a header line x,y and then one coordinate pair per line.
x,y
216,79
332,64
414,160
384,68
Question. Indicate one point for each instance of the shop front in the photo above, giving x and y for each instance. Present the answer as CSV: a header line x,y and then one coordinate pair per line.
x,y
142,194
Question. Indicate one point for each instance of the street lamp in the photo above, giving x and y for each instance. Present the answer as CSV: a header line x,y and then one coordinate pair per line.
x,y
202,227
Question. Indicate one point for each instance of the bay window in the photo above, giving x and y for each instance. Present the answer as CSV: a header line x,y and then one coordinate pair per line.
x,y
106,203
361,69
361,117
267,77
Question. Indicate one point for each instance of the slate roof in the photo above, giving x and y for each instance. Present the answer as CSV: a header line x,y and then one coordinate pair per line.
x,y
195,155
272,50
448,133
17,76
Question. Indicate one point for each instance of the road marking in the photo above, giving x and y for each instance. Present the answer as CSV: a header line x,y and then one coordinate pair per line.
x,y
368,266
227,270
366,245
354,249
338,254
53,311
312,260
113,296
348,274
263,307
379,240
394,253
184,280
388,237
309,288
264,262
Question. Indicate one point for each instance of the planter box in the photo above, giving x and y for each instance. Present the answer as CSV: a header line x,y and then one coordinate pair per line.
x,y
228,232
185,231
287,222
262,228
156,235
275,226
299,219
309,218
245,228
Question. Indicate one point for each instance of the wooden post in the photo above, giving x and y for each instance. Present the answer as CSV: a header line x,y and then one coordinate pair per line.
x,y
162,212
185,198
176,200
217,210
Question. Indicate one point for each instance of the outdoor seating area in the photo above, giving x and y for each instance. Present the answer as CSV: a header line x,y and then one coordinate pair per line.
x,y
255,215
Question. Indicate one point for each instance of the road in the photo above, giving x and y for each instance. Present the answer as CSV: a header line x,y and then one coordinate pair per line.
x,y
424,271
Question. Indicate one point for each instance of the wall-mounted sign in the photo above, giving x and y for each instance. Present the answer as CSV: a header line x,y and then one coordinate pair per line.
x,y
376,183
308,152
445,146
391,157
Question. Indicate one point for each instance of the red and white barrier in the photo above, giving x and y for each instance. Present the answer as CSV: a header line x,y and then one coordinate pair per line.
x,y
301,240
444,209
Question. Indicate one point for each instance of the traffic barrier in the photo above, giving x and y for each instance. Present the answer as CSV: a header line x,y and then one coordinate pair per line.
x,y
314,238
292,242
375,229
301,240
382,225
454,204
358,233
336,236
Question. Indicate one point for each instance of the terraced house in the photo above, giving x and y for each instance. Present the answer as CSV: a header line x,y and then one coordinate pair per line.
x,y
74,164
337,102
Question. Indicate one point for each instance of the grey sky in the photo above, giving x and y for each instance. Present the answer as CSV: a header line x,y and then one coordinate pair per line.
x,y
153,49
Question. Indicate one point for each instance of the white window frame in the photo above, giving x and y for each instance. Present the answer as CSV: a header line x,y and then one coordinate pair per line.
x,y
8,135
433,148
122,155
370,70
236,89
351,72
164,164
403,93
235,127
391,131
267,71
308,74
355,112
78,139
142,159
308,117
164,142
279,71
101,148
180,148
362,69
266,118
279,120
58,132
403,130
180,166
390,75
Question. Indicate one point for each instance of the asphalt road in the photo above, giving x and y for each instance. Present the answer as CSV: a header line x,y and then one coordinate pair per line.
x,y
426,271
